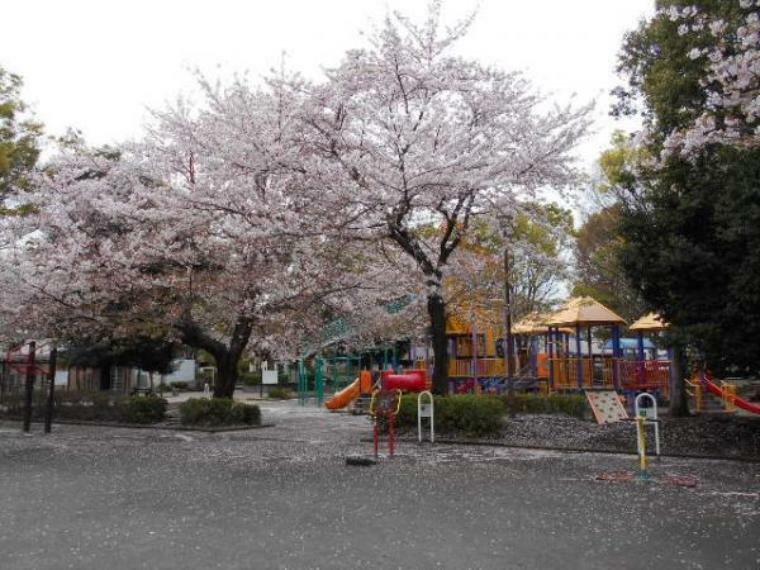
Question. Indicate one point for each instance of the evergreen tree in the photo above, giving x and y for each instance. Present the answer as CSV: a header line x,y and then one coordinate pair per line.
x,y
692,219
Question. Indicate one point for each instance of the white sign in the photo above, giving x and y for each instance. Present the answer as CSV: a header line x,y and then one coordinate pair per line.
x,y
269,377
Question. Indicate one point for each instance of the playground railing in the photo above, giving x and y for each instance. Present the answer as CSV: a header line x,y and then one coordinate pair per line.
x,y
484,367
644,376
565,373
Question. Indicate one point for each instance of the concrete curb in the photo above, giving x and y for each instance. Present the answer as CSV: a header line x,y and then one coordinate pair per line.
x,y
150,426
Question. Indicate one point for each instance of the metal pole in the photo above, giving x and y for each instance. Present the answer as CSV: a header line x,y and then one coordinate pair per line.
x,y
51,390
509,353
578,356
29,387
615,356
641,367
590,357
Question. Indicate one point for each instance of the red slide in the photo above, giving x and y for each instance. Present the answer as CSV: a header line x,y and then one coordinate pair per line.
x,y
740,403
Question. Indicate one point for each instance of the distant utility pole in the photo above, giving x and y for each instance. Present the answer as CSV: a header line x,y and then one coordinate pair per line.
x,y
508,353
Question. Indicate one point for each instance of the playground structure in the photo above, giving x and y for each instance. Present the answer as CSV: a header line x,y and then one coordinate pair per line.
x,y
384,407
561,354
361,385
386,403
575,349
335,379
553,352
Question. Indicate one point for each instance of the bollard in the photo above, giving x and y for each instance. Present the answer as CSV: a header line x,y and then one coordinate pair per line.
x,y
425,411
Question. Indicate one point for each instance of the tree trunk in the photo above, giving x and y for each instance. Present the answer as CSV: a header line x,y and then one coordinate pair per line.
x,y
437,312
227,357
226,374
679,404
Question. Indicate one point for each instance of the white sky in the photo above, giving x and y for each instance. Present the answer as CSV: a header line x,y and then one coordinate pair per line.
x,y
97,64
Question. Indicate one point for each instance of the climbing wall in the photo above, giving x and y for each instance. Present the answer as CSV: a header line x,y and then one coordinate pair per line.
x,y
606,406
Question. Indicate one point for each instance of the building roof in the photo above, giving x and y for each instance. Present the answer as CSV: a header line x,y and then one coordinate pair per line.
x,y
650,322
584,311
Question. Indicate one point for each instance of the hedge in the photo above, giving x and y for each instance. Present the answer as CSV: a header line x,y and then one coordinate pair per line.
x,y
469,415
218,412
143,409
478,416
95,407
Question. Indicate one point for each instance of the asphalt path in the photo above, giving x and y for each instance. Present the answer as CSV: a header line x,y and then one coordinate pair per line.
x,y
283,497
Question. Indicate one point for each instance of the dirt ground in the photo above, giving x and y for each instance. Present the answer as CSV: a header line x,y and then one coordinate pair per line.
x,y
715,436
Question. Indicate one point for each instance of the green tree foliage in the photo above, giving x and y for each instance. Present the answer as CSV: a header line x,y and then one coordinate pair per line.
x,y
600,240
20,138
537,244
692,225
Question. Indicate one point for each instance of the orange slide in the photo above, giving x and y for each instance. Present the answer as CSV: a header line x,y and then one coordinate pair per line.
x,y
740,403
362,385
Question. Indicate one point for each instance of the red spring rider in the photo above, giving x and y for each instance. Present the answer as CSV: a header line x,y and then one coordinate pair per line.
x,y
385,404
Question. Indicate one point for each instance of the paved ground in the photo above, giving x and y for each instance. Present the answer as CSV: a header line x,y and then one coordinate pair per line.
x,y
283,497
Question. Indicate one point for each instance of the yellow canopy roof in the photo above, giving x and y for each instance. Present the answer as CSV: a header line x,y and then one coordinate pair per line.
x,y
533,324
530,325
584,311
650,322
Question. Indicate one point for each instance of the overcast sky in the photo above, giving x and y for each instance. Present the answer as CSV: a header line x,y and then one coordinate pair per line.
x,y
97,64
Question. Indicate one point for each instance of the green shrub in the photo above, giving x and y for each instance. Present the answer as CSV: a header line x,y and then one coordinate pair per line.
x,y
570,404
469,415
181,385
280,393
245,414
143,409
218,412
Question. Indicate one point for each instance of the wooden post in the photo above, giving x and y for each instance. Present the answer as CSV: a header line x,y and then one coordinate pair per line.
x,y
51,390
29,387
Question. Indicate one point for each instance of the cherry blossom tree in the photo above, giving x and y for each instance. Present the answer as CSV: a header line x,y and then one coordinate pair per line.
x,y
199,233
732,80
404,134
